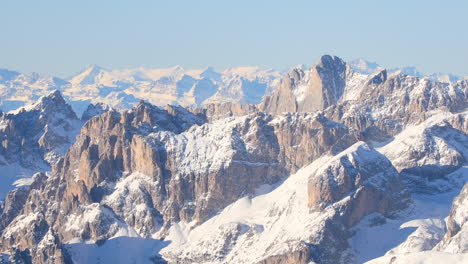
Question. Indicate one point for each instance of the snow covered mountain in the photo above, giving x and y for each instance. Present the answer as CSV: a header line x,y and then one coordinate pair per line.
x,y
34,138
332,166
195,87
367,67
124,88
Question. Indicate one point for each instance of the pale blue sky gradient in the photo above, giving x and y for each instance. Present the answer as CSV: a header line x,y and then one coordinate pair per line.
x,y
60,37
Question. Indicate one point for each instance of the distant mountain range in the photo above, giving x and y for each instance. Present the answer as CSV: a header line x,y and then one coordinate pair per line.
x,y
367,67
124,88
327,164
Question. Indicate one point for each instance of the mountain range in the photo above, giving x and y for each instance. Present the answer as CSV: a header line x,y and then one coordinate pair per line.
x,y
124,88
197,87
336,163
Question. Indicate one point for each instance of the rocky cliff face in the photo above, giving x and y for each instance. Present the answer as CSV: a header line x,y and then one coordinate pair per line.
x,y
33,138
365,175
94,110
173,166
456,238
375,104
285,181
289,224
429,151
49,124
222,110
388,104
306,91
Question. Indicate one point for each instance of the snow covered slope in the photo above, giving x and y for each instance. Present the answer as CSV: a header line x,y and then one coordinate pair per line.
x,y
33,138
280,221
123,88
335,166
426,153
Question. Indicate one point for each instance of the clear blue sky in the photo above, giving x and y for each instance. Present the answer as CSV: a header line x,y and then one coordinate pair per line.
x,y
61,37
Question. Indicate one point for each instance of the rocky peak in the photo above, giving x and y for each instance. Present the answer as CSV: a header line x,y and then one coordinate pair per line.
x,y
378,78
55,97
306,91
49,110
295,182
332,75
152,118
283,99
217,111
93,110
54,103
363,173
330,64
36,136
87,76
387,102
210,73
47,107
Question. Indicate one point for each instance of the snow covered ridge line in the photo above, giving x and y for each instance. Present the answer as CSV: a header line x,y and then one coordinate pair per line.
x,y
341,167
283,221
357,155
367,67
123,88
34,138
235,222
333,86
196,87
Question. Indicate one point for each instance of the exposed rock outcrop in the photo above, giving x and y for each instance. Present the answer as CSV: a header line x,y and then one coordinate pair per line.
x,y
384,103
94,110
280,226
47,126
301,255
366,177
390,103
33,138
456,238
430,151
157,159
214,181
222,110
316,89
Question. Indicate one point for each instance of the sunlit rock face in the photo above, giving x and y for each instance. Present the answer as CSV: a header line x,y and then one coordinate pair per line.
x,y
290,180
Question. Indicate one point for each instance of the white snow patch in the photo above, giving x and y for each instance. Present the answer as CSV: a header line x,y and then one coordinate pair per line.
x,y
247,231
426,257
419,228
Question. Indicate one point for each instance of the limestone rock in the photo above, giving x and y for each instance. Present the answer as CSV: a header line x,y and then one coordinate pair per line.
x,y
36,136
271,183
93,110
321,86
363,174
456,238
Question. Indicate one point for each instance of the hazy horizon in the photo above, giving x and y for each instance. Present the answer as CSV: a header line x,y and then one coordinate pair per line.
x,y
60,38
